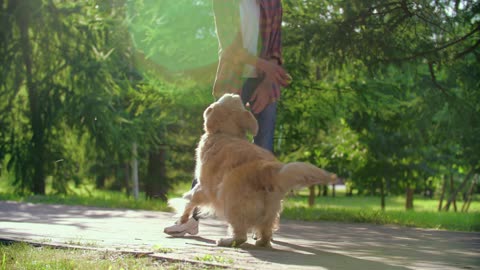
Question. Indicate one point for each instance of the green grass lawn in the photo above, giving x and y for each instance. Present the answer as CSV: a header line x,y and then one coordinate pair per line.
x,y
367,209
341,208
373,203
24,256
336,210
88,196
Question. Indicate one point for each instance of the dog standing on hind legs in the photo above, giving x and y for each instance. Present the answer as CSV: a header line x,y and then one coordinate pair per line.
x,y
243,183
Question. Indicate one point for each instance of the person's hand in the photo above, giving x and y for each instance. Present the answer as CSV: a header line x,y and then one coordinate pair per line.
x,y
261,97
274,72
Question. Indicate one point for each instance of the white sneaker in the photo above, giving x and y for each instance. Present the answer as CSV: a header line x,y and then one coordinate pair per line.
x,y
179,230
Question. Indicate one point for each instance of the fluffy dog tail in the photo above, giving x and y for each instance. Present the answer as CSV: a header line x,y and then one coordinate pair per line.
x,y
300,174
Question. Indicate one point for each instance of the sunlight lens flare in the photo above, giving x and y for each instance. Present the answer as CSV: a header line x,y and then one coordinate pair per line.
x,y
173,36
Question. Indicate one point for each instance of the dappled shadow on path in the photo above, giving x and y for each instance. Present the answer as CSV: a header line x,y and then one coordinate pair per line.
x,y
408,247
305,256
210,242
61,214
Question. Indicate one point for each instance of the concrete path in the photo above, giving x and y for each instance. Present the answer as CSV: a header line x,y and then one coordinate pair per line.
x,y
297,245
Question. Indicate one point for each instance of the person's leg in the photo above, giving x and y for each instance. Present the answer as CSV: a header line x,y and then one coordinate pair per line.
x,y
266,127
195,211
190,227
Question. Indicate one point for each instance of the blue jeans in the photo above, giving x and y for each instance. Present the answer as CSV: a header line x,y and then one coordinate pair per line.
x,y
266,118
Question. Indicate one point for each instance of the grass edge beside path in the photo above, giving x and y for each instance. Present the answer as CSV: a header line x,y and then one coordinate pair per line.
x,y
452,221
293,210
30,255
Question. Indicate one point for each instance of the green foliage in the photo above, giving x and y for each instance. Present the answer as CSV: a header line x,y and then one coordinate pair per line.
x,y
74,102
385,93
395,71
69,84
178,37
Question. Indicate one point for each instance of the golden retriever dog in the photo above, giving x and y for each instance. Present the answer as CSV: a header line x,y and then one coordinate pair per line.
x,y
240,181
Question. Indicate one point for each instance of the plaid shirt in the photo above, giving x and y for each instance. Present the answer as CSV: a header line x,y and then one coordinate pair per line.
x,y
232,55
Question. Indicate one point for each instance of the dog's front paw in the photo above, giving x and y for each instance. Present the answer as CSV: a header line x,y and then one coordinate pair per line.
x,y
263,243
230,242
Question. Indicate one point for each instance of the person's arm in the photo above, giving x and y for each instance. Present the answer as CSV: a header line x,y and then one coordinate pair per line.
x,y
227,24
263,93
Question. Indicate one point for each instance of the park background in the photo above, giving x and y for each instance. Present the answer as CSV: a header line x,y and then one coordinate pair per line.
x,y
384,93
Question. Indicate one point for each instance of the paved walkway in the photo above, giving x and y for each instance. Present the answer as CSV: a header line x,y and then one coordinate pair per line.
x,y
297,245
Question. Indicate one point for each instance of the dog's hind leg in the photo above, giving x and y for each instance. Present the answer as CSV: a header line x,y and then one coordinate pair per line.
x,y
198,198
265,231
239,237
264,235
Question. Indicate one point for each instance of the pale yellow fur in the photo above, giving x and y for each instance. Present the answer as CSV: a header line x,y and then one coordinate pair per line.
x,y
241,182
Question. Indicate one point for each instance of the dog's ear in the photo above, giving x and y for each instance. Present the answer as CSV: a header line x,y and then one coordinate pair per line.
x,y
213,117
248,122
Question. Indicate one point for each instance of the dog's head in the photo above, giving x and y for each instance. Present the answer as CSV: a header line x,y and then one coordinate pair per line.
x,y
229,116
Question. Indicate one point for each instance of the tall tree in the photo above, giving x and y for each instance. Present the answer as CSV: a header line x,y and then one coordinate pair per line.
x,y
63,61
393,69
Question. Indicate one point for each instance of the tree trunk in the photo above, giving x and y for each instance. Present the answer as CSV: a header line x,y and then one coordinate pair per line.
x,y
126,172
311,196
318,73
409,198
468,200
382,195
452,190
447,205
37,141
462,185
373,189
156,185
442,194
135,171
349,192
100,180
425,188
